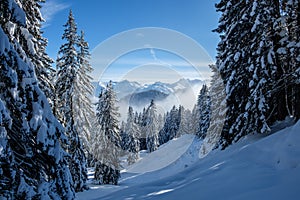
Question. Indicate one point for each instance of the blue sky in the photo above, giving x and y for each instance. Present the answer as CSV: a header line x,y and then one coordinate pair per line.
x,y
102,19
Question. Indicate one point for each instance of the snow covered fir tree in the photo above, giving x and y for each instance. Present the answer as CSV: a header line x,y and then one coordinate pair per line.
x,y
203,110
217,113
255,71
70,89
171,126
106,140
151,127
33,163
132,131
84,92
42,62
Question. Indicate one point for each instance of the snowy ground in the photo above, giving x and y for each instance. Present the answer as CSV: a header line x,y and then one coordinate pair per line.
x,y
254,168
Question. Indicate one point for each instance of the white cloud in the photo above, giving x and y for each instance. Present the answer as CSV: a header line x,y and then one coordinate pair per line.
x,y
50,9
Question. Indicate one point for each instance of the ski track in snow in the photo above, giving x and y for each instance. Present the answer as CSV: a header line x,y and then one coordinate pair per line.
x,y
253,168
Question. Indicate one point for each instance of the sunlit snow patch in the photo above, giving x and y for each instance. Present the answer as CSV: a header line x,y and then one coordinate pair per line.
x,y
160,192
164,156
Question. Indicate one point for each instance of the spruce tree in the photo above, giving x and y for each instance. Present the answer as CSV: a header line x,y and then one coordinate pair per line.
x,y
262,65
32,135
106,142
233,72
185,119
124,137
36,47
195,118
218,113
83,92
132,130
163,136
289,55
142,124
246,66
67,103
171,126
151,127
203,106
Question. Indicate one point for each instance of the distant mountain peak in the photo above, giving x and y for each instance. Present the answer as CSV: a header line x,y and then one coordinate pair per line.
x,y
137,95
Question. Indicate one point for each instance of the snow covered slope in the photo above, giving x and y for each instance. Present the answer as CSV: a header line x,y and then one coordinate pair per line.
x,y
254,168
164,156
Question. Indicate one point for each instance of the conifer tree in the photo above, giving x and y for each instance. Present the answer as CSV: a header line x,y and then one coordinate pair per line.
x,y
106,142
247,66
171,126
32,135
262,64
218,113
185,119
132,130
83,92
142,124
67,87
36,47
163,136
228,53
195,120
289,55
203,105
124,137
173,123
151,127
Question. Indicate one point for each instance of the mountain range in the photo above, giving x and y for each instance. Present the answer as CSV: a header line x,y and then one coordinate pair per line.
x,y
129,93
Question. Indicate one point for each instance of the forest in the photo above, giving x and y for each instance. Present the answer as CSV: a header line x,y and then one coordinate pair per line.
x,y
51,131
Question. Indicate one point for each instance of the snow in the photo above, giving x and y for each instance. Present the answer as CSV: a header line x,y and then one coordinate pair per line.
x,y
281,51
257,22
162,157
253,9
237,56
4,42
270,57
158,86
257,167
10,27
229,84
251,83
17,12
30,40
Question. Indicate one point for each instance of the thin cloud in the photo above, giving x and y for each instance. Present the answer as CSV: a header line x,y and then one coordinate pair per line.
x,y
142,61
153,54
50,9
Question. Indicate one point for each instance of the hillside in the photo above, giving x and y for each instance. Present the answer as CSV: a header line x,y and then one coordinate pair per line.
x,y
254,168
